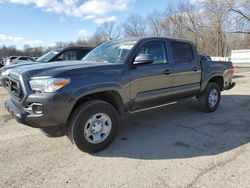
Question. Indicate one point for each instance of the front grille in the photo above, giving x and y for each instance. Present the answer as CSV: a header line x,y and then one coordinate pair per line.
x,y
14,88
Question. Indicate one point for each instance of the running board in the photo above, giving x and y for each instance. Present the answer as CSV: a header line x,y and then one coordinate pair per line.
x,y
150,108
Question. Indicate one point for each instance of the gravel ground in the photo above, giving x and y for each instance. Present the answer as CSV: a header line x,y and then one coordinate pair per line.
x,y
173,146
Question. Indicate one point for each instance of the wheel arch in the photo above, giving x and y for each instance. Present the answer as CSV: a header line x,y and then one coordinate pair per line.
x,y
214,78
110,96
219,80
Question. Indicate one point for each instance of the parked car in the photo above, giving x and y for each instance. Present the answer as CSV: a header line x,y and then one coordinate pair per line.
x,y
12,60
62,54
65,54
9,60
22,59
87,97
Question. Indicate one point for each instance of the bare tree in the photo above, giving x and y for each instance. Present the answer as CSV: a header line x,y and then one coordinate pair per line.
x,y
61,44
241,14
135,26
109,30
242,7
186,18
96,39
156,23
217,13
175,18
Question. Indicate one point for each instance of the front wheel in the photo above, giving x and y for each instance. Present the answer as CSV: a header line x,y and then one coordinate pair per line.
x,y
93,125
209,100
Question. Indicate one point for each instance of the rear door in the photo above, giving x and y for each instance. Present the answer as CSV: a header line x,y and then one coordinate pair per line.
x,y
186,68
151,84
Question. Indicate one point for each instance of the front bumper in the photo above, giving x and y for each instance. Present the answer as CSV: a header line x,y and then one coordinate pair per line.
x,y
53,114
26,118
17,113
230,86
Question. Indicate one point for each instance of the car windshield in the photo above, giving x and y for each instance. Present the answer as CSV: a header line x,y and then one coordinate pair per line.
x,y
48,56
111,52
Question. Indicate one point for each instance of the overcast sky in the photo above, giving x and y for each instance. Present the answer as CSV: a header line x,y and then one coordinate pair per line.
x,y
44,22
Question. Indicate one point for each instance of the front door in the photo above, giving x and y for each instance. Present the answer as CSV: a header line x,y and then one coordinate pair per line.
x,y
151,84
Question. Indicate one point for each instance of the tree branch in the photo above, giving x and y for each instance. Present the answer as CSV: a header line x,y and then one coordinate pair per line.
x,y
241,13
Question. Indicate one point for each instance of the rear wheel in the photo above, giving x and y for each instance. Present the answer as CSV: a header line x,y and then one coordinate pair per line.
x,y
93,125
209,100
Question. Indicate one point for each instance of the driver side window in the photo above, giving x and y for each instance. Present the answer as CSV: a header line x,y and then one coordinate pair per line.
x,y
156,49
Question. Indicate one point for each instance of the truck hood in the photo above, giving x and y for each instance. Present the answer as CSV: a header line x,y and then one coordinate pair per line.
x,y
54,68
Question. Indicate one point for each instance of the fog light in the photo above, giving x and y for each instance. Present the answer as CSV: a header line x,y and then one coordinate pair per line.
x,y
37,108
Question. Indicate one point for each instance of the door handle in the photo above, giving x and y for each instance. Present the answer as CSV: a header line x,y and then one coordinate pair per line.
x,y
167,72
195,69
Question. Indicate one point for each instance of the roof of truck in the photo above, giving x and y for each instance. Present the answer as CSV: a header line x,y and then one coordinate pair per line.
x,y
153,37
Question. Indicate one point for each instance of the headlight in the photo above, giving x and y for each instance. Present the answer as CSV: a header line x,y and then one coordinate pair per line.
x,y
48,85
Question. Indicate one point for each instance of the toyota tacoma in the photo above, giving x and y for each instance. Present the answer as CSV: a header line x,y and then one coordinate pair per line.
x,y
87,98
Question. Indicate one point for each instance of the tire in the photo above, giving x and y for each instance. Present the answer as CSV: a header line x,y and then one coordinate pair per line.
x,y
210,104
93,126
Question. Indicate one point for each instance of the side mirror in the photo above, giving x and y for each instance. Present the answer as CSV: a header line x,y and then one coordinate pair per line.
x,y
144,59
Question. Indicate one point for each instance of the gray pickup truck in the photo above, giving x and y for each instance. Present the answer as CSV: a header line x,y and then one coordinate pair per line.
x,y
87,97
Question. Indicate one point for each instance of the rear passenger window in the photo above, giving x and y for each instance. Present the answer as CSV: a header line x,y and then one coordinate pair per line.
x,y
182,52
156,49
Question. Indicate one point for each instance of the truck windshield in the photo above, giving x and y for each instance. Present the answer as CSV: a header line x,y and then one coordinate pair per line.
x,y
110,52
48,56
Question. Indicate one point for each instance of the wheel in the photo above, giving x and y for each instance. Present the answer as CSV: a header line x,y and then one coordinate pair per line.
x,y
93,125
209,100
